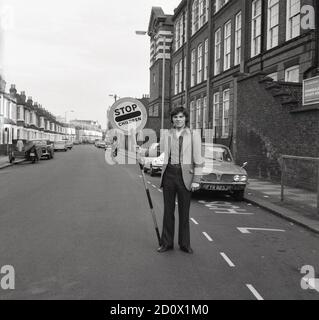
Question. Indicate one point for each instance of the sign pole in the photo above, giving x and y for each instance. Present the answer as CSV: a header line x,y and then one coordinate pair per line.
x,y
127,114
151,205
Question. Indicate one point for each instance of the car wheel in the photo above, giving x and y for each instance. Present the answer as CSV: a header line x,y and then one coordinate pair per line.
x,y
144,169
152,172
239,195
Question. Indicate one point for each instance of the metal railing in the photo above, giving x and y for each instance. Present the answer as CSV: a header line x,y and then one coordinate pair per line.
x,y
300,178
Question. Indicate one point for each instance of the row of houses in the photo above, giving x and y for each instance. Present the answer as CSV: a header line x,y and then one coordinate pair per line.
x,y
22,118
238,67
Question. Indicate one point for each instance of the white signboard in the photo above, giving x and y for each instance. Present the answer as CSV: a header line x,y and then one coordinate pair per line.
x,y
128,115
311,91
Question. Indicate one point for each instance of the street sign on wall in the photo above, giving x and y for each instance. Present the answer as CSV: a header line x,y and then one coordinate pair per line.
x,y
311,91
128,115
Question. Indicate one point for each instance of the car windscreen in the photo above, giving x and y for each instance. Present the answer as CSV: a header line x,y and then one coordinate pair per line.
x,y
216,153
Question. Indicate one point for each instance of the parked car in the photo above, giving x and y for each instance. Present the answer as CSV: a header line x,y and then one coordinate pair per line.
x,y
76,142
60,146
101,144
108,146
69,144
28,151
220,173
155,165
46,146
148,155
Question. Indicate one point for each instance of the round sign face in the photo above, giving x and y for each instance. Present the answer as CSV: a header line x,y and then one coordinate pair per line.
x,y
128,115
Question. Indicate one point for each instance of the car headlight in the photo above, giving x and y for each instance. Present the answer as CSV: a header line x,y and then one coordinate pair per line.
x,y
243,178
237,178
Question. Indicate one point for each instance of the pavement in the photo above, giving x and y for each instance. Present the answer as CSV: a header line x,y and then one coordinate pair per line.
x,y
4,162
75,227
299,206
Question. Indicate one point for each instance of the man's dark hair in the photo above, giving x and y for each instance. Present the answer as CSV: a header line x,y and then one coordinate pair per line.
x,y
182,110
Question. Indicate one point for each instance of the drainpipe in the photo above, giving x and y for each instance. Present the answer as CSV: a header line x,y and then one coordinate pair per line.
x,y
316,63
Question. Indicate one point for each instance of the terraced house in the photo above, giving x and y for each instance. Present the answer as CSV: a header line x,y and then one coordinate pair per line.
x,y
238,66
21,118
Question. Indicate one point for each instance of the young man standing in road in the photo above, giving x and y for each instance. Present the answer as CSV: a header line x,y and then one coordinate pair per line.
x,y
181,175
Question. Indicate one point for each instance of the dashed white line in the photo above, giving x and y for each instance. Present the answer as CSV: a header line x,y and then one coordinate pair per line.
x,y
208,237
154,186
160,190
229,262
254,292
194,221
148,182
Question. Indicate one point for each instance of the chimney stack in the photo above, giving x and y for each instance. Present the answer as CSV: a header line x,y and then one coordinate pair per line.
x,y
22,97
29,101
13,90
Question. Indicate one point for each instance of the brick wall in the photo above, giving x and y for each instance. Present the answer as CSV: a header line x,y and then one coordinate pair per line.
x,y
267,129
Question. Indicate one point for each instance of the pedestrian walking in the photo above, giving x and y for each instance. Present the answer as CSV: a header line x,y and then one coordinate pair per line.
x,y
181,175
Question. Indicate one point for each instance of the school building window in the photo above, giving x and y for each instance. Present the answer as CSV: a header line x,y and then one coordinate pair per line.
x,y
225,119
293,19
216,101
193,71
292,74
217,63
256,28
238,39
273,24
199,63
227,45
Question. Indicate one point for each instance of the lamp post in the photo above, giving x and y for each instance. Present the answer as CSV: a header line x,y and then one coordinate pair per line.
x,y
142,33
115,96
66,114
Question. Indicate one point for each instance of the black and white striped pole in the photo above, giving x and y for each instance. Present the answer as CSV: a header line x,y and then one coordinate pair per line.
x,y
151,205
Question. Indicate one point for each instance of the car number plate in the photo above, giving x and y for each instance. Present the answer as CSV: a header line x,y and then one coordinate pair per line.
x,y
216,187
32,154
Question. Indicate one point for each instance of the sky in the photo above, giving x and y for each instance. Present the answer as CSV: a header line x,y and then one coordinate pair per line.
x,y
70,55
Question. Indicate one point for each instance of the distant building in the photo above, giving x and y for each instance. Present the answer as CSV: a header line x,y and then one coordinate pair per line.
x,y
87,131
21,118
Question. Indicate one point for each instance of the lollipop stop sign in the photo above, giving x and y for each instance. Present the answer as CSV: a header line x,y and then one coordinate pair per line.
x,y
127,115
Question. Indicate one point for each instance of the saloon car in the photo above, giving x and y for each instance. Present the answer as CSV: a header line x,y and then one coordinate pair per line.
x,y
60,146
155,165
148,155
220,173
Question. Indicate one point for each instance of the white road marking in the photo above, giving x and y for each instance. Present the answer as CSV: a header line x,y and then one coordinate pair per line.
x,y
232,211
194,220
154,186
208,237
224,207
160,190
148,182
230,263
254,292
247,230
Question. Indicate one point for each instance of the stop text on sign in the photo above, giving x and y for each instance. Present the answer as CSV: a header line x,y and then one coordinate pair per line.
x,y
128,115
